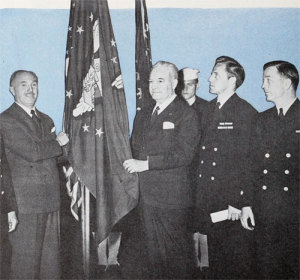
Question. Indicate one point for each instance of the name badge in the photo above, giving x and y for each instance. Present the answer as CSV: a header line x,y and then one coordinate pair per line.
x,y
225,125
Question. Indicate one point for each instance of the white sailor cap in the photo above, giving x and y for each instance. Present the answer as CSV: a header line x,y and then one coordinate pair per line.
x,y
190,73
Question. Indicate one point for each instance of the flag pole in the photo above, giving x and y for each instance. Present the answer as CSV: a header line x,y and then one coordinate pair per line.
x,y
85,225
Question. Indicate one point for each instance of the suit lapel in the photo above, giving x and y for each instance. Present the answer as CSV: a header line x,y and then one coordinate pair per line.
x,y
25,120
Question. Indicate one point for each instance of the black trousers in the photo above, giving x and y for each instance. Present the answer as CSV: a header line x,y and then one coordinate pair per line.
x,y
35,247
168,242
277,250
230,251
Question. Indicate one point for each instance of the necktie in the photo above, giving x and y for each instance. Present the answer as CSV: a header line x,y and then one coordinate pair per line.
x,y
281,116
36,120
154,114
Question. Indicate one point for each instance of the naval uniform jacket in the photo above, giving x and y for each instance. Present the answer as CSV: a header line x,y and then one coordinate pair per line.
x,y
276,192
223,158
169,144
31,153
276,184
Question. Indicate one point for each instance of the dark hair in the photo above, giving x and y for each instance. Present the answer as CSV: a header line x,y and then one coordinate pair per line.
x,y
286,69
16,73
233,68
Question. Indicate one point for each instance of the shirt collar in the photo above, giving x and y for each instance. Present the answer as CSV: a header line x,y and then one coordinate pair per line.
x,y
27,110
165,104
222,98
286,107
192,100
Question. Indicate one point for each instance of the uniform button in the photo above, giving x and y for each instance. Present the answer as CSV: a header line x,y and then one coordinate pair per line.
x,y
1,176
202,161
285,189
286,172
2,192
212,178
242,192
200,175
264,187
288,155
214,164
203,147
265,171
215,149
267,155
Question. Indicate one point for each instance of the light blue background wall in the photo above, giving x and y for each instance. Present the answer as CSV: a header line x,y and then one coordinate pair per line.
x,y
36,40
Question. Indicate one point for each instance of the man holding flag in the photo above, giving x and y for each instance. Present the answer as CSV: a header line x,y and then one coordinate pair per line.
x,y
163,141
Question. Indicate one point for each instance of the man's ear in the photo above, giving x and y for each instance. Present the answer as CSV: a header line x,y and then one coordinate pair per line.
x,y
197,85
174,84
12,91
233,81
287,83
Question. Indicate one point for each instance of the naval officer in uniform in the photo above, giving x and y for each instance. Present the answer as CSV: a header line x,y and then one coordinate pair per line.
x,y
276,176
222,172
188,84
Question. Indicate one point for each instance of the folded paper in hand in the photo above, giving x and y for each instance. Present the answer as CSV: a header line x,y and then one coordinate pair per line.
x,y
223,215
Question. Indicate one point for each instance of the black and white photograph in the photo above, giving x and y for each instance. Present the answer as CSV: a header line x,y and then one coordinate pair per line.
x,y
149,139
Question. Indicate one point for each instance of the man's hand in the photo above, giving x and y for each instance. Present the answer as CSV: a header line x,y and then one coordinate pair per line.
x,y
118,82
245,215
12,221
233,213
62,138
134,165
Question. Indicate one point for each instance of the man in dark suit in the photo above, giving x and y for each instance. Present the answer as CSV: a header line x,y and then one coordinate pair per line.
x,y
31,147
163,142
276,176
8,207
222,172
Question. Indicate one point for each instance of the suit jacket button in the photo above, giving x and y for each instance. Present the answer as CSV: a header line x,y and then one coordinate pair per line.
x,y
286,172
264,187
212,178
285,189
214,164
2,192
267,155
203,147
288,155
265,171
200,175
215,149
242,192
202,161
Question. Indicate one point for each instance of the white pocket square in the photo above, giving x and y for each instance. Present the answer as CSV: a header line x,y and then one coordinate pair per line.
x,y
168,125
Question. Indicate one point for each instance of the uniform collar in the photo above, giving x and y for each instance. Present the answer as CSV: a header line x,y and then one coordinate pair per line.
x,y
285,107
222,98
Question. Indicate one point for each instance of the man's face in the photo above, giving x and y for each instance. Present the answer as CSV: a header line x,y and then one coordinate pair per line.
x,y
273,84
161,84
218,80
25,89
189,90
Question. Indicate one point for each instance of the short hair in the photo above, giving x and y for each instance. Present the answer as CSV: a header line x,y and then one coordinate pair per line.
x,y
233,68
285,69
173,70
16,73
